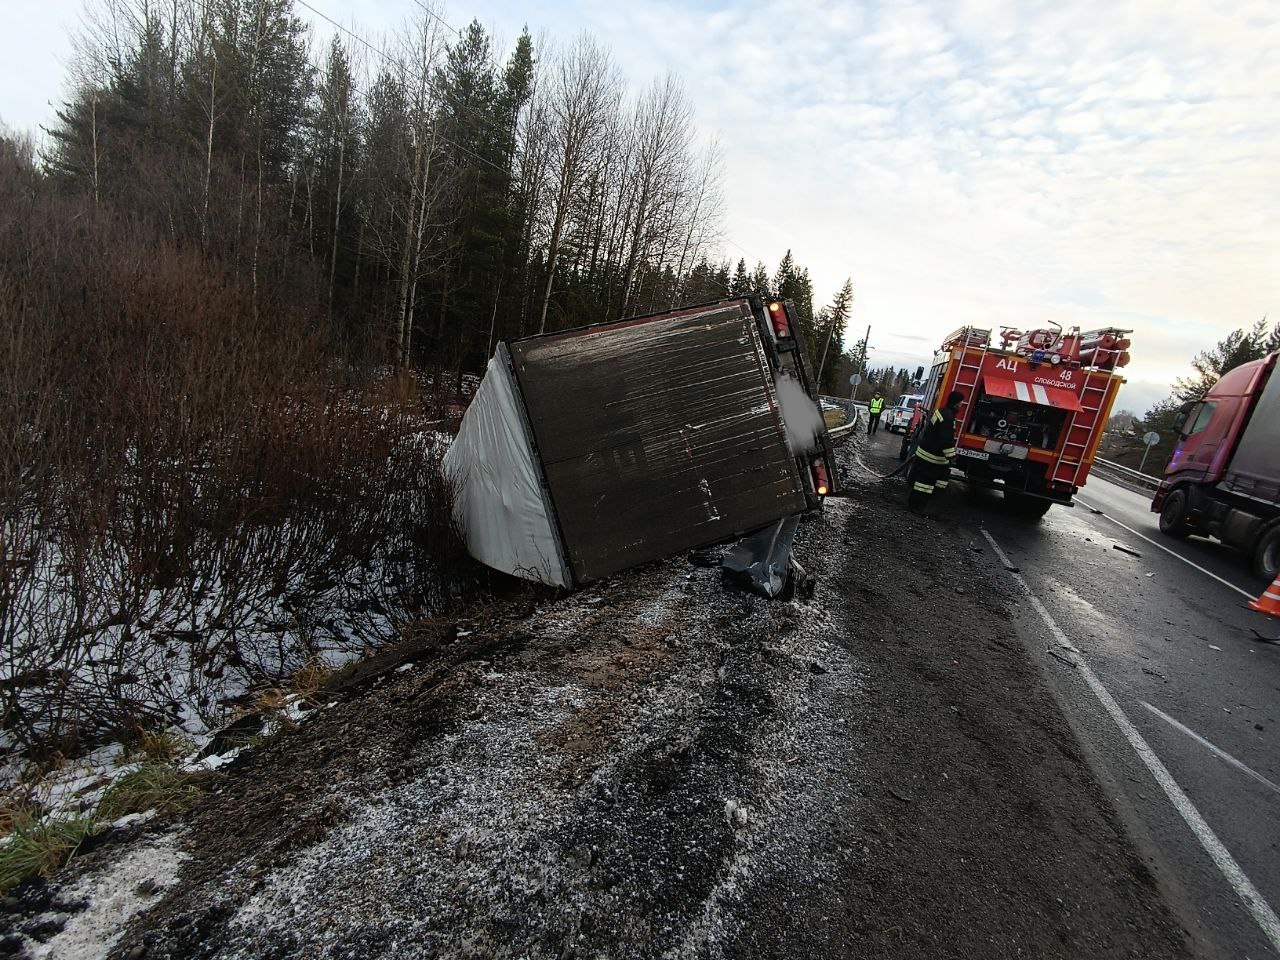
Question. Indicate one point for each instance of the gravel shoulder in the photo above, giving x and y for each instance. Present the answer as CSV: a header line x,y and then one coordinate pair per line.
x,y
658,767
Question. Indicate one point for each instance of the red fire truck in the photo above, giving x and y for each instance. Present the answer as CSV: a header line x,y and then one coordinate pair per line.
x,y
1034,411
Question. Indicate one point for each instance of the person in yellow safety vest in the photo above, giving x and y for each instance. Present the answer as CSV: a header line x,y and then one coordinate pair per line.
x,y
874,408
931,468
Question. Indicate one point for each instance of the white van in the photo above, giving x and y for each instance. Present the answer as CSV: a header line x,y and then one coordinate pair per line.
x,y
899,418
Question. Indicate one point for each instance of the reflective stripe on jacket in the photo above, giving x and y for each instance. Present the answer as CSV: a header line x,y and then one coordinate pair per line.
x,y
938,441
877,404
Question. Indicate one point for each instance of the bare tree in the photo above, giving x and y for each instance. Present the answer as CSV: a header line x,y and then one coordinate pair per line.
x,y
662,128
582,82
704,206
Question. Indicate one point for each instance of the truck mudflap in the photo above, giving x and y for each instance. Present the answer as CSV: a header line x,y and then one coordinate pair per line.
x,y
761,562
1157,499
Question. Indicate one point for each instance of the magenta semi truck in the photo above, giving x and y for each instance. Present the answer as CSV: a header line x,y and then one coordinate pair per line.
x,y
1224,477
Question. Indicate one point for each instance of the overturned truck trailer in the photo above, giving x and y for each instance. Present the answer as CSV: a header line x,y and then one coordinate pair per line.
x,y
588,452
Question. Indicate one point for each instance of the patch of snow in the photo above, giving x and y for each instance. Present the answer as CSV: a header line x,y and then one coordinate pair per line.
x,y
213,761
74,787
129,819
114,897
465,809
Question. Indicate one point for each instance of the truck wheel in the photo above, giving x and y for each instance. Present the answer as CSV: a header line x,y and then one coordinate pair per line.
x,y
1173,515
1266,555
1029,508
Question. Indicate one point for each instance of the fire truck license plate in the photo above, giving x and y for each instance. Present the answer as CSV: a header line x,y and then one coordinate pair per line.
x,y
975,454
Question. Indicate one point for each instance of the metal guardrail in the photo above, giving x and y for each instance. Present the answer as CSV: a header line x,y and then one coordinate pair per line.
x,y
838,433
851,410
1126,473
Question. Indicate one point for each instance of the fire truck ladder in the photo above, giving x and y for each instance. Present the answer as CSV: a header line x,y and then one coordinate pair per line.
x,y
1080,427
967,374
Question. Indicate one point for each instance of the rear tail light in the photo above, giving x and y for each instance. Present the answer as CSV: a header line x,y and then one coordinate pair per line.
x,y
820,482
778,317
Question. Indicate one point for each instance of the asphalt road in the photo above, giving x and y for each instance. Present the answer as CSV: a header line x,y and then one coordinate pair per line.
x,y
1156,667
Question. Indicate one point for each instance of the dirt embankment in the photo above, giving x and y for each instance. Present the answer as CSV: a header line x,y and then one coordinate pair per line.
x,y
655,767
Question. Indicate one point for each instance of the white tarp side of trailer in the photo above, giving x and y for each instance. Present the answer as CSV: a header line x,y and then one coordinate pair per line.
x,y
499,500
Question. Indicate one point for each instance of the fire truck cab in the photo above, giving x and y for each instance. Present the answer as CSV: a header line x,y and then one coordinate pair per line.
x,y
1034,410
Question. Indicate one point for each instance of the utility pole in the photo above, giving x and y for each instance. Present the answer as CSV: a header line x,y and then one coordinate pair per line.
x,y
865,340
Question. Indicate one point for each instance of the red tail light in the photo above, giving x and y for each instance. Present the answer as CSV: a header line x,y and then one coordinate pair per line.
x,y
778,317
820,482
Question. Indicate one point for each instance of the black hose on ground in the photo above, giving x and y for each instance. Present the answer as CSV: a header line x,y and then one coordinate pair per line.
x,y
879,476
889,476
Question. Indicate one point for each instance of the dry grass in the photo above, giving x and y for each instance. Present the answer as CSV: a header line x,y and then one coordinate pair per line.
x,y
32,844
311,676
153,786
166,746
35,846
272,700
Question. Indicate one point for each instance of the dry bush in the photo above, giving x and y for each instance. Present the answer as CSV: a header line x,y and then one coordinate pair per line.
x,y
165,746
310,677
198,493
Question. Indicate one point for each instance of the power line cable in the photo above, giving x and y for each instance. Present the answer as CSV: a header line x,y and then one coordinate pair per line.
x,y
393,62
484,120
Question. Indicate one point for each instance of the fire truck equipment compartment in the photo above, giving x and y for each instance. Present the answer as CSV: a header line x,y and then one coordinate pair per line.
x,y
1031,393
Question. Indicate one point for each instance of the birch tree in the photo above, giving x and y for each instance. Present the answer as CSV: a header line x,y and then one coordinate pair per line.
x,y
582,83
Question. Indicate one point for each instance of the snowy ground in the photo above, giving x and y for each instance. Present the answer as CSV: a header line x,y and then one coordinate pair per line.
x,y
107,901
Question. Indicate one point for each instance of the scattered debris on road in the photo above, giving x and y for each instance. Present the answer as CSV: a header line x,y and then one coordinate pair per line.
x,y
1057,656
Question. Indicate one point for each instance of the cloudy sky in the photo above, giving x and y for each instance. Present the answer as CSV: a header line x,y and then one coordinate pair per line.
x,y
967,161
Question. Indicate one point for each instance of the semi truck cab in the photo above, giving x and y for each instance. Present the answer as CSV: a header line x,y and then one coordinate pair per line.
x,y
1223,479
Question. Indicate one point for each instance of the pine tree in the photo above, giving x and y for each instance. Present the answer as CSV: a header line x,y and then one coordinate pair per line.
x,y
835,319
333,157
1237,347
760,282
471,128
721,280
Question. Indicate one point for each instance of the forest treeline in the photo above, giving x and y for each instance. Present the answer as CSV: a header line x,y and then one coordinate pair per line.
x,y
423,196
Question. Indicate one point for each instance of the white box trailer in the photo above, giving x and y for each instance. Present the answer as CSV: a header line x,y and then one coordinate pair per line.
x,y
594,450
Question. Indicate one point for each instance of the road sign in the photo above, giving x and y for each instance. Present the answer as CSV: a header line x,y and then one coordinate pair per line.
x,y
855,379
1150,438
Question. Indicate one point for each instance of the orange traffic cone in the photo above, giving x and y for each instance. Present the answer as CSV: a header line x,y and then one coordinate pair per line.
x,y
1269,602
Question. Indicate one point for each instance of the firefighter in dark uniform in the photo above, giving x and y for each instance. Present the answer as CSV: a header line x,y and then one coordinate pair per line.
x,y
931,468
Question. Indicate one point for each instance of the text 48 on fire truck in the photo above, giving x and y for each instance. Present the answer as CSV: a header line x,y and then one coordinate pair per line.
x,y
1035,407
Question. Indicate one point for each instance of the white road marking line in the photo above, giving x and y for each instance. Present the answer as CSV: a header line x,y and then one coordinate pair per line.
x,y
1172,553
1243,768
1258,908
